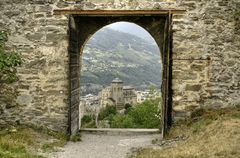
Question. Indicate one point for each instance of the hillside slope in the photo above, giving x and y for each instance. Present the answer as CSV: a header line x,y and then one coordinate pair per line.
x,y
212,134
110,54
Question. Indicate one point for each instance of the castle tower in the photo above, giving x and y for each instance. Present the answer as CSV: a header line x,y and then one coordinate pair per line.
x,y
117,93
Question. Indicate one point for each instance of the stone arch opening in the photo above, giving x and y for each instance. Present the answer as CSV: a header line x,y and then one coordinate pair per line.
x,y
88,50
83,26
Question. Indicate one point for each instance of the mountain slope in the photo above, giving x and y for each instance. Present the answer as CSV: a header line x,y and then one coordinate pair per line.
x,y
133,29
110,54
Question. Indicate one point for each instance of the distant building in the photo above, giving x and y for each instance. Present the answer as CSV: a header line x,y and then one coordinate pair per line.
x,y
129,94
117,95
104,95
147,94
88,104
140,97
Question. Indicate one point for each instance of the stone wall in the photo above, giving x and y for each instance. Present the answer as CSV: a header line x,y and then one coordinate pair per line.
x,y
206,54
41,39
206,57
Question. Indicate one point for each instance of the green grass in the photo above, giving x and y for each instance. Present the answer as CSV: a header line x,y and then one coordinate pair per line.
x,y
29,142
15,144
76,138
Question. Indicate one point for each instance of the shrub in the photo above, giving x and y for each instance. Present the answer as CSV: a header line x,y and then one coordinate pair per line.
x,y
106,112
145,115
122,121
8,62
127,108
197,113
76,138
86,119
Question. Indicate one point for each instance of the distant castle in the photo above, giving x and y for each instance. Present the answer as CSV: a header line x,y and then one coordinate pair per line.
x,y
117,95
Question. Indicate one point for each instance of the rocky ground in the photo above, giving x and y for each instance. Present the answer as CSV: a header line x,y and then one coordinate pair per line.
x,y
105,146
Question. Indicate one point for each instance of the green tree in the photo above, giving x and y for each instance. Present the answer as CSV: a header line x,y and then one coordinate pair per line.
x,y
127,108
122,121
8,61
145,115
86,119
107,111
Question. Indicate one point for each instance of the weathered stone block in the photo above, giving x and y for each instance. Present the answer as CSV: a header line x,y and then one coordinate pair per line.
x,y
24,99
35,36
192,87
22,86
197,67
39,15
43,8
39,63
53,37
180,75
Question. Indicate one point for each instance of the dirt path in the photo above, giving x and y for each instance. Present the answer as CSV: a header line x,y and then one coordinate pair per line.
x,y
104,146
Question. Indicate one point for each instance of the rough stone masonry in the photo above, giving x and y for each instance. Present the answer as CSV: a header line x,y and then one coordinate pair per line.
x,y
206,56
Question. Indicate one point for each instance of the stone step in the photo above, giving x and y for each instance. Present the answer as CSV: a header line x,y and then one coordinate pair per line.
x,y
119,131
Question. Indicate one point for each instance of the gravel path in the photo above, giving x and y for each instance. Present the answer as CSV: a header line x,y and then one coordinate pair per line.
x,y
104,146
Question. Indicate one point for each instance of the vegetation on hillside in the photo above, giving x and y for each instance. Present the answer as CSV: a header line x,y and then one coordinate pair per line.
x,y
107,112
209,133
144,115
28,142
110,54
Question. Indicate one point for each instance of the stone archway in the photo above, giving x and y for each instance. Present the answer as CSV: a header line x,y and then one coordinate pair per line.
x,y
83,25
